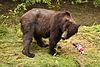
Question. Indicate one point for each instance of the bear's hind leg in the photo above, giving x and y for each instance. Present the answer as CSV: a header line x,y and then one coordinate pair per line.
x,y
27,39
28,31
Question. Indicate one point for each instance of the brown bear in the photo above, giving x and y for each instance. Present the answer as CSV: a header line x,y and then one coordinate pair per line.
x,y
43,23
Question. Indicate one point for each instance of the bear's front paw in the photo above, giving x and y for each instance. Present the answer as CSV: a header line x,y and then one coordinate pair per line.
x,y
52,52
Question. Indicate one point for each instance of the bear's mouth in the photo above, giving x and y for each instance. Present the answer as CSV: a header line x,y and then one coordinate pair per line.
x,y
64,35
63,38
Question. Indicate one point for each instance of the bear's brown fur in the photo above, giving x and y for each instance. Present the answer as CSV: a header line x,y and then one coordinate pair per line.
x,y
46,23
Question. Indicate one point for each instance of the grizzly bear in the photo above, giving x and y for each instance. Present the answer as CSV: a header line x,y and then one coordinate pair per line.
x,y
43,23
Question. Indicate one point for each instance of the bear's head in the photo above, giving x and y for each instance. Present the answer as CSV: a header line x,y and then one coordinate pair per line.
x,y
70,31
69,27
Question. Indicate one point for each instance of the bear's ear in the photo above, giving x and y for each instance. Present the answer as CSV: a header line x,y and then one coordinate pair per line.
x,y
63,13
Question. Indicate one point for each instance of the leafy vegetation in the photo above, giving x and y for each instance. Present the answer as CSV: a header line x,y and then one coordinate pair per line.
x,y
24,4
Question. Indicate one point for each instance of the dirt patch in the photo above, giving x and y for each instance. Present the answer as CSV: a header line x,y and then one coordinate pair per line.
x,y
85,14
5,6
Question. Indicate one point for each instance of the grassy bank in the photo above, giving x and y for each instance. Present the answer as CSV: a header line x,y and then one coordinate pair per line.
x,y
11,46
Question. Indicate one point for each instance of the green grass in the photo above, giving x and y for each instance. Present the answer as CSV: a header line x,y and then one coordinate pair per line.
x,y
11,47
